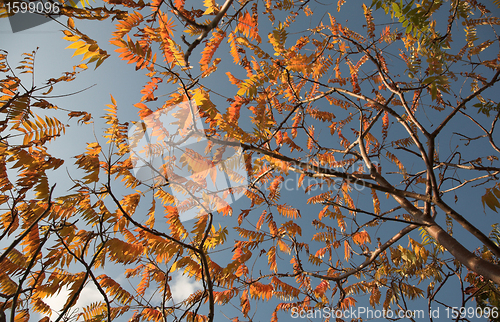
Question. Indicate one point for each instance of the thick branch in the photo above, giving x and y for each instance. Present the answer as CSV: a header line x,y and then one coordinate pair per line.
x,y
469,227
463,255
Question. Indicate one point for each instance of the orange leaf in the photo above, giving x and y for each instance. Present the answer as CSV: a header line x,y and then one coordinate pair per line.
x,y
248,26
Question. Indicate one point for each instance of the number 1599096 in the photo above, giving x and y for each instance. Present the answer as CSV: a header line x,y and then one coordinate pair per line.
x,y
471,312
32,7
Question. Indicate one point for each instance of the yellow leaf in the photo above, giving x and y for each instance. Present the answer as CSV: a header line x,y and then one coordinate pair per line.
x,y
76,45
80,50
113,101
490,199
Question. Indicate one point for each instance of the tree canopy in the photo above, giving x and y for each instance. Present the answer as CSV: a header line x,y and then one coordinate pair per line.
x,y
348,140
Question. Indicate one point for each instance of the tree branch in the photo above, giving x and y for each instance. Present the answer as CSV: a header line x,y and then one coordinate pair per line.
x,y
27,231
206,29
465,101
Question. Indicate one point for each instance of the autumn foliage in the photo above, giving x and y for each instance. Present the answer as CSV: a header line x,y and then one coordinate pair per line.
x,y
384,124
